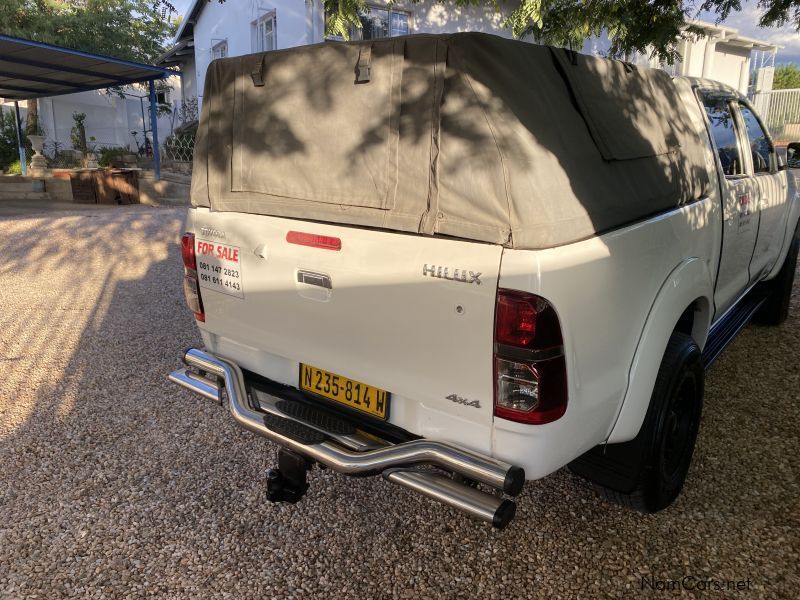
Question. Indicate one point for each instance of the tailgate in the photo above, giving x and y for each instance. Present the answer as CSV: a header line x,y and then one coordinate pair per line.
x,y
380,310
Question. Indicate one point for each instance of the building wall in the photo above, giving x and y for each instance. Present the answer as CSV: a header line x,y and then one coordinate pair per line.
x,y
105,115
433,17
300,23
189,80
232,21
109,118
726,64
694,57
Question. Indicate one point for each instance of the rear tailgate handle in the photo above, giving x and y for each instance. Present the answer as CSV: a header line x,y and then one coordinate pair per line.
x,y
311,278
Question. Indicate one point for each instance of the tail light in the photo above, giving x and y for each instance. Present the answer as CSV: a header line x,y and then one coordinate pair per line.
x,y
191,286
529,364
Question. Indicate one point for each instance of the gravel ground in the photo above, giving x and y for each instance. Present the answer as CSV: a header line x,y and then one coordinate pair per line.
x,y
116,483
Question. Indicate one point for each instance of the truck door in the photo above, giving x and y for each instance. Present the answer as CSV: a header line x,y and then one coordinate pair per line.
x,y
772,189
739,194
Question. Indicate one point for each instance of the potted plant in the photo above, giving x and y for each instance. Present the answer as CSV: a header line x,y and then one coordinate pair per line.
x,y
38,160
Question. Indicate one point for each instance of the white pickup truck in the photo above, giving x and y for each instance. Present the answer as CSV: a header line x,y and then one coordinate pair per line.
x,y
464,262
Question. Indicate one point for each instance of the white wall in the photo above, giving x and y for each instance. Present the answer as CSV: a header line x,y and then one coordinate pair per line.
x,y
232,20
694,57
109,118
189,80
104,114
728,61
302,22
431,17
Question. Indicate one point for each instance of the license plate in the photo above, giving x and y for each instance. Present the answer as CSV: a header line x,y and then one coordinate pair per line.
x,y
343,390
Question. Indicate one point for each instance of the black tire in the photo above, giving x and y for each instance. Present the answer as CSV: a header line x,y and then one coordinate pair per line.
x,y
775,309
648,473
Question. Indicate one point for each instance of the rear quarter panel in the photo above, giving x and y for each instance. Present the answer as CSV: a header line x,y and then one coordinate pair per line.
x,y
604,290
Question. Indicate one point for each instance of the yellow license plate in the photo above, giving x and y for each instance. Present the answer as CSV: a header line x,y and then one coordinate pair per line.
x,y
353,394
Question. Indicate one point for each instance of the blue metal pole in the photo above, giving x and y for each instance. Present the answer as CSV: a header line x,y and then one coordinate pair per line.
x,y
154,129
22,158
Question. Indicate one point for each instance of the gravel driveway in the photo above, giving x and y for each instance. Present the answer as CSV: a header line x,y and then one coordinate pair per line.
x,y
115,483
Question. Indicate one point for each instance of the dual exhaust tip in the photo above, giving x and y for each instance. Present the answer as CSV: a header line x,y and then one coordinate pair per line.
x,y
496,511
394,461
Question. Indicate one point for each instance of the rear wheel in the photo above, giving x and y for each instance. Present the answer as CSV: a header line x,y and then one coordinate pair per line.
x,y
648,473
775,309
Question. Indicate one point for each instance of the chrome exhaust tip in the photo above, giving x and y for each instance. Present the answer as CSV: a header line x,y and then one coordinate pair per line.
x,y
498,512
196,383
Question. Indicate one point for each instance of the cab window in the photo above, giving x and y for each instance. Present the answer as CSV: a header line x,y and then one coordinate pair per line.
x,y
723,130
760,146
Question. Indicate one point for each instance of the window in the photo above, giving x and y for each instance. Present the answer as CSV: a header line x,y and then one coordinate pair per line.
x,y
162,96
381,23
265,33
219,50
723,130
760,146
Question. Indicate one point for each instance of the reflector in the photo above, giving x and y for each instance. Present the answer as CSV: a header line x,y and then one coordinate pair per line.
x,y
313,240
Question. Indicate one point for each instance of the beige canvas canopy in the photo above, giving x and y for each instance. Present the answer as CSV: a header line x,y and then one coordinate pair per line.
x,y
466,135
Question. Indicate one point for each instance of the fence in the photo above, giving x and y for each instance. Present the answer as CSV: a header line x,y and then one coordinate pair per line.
x,y
179,147
780,110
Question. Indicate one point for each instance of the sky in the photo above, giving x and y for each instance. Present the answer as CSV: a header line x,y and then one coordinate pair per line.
x,y
746,21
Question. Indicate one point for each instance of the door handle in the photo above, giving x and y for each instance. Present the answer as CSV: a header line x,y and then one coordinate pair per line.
x,y
312,278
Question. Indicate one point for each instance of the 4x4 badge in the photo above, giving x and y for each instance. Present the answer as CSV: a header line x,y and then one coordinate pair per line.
x,y
464,401
458,274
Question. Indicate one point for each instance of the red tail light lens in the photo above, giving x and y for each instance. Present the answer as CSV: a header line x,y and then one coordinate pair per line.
x,y
529,362
515,319
526,321
191,285
187,251
313,240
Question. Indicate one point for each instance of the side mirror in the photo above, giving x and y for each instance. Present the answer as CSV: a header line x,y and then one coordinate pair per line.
x,y
793,155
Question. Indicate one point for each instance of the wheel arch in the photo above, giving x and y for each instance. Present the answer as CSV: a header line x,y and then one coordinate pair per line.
x,y
683,303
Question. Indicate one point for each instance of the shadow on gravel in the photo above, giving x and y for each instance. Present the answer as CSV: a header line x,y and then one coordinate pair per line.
x,y
115,482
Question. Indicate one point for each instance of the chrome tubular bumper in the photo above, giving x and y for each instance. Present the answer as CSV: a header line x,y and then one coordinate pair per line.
x,y
354,455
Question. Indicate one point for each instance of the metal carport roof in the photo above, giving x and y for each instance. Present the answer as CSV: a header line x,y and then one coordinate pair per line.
x,y
30,69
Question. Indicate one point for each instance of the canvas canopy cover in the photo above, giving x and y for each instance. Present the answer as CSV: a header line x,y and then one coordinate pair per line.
x,y
466,135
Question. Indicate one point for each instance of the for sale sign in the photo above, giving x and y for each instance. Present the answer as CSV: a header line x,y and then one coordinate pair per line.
x,y
219,268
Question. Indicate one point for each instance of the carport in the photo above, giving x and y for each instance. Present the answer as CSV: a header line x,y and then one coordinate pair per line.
x,y
30,70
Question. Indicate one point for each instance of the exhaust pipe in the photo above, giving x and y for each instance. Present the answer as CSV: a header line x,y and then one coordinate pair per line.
x,y
307,440
197,384
490,509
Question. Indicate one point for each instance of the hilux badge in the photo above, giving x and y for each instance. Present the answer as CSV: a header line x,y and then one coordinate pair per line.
x,y
461,275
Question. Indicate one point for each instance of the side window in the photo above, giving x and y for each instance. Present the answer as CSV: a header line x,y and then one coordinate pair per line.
x,y
760,146
723,130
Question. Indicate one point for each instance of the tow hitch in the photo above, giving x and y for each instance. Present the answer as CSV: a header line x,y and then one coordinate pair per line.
x,y
287,482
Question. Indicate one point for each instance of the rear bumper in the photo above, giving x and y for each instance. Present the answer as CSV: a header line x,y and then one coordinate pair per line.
x,y
343,449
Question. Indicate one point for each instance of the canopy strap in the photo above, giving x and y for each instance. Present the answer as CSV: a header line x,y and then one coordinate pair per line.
x,y
364,66
257,74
